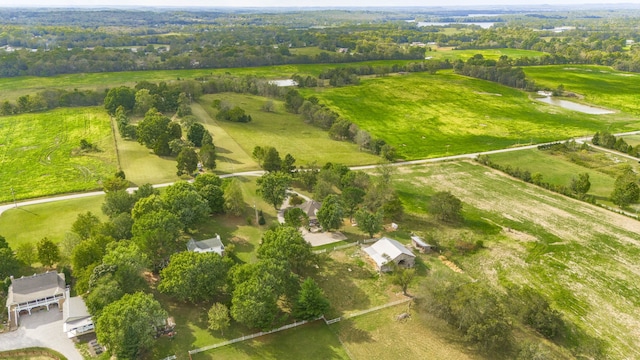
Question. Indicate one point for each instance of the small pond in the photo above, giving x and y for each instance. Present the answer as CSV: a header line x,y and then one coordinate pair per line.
x,y
570,105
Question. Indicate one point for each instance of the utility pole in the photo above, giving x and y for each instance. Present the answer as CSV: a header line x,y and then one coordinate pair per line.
x,y
14,198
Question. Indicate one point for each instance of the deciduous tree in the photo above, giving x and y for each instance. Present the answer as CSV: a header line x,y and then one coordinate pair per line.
x,y
371,223
85,225
195,277
48,252
233,198
331,213
187,161
218,318
286,244
272,187
445,206
127,326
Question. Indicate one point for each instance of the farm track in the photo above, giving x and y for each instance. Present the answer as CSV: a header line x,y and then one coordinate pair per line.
x,y
6,207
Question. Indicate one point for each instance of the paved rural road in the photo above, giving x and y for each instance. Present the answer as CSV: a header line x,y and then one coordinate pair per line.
x,y
6,207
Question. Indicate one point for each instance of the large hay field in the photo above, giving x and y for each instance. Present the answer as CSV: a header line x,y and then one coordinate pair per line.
x,y
436,115
581,257
40,153
599,85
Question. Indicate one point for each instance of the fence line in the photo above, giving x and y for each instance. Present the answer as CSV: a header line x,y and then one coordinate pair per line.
x,y
369,241
247,337
345,246
295,324
362,312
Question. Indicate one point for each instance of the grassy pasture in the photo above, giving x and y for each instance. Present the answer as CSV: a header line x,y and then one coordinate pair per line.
x,y
12,88
436,115
40,153
286,132
579,256
600,85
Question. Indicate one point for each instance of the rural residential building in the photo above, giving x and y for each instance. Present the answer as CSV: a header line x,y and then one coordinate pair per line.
x,y
209,245
32,292
311,208
386,251
77,320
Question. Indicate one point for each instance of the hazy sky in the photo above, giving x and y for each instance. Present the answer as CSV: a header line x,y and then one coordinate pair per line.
x,y
298,3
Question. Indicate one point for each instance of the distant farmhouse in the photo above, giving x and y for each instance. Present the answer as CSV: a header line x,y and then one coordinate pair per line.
x,y
386,251
209,245
34,292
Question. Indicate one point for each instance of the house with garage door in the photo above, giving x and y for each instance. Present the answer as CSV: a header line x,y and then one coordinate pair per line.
x,y
387,253
32,293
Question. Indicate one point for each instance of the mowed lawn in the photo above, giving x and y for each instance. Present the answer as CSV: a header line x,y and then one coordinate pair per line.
x,y
451,54
40,153
444,114
52,220
599,85
581,257
310,341
285,131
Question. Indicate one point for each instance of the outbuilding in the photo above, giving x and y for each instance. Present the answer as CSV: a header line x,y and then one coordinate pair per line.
x,y
419,244
386,251
209,245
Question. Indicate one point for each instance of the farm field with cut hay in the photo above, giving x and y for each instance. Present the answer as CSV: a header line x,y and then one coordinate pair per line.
x,y
600,85
40,153
580,257
426,115
285,131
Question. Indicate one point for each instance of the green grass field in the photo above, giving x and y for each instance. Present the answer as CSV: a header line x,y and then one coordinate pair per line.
x,y
599,85
436,115
579,256
448,53
40,153
286,132
633,140
558,170
34,222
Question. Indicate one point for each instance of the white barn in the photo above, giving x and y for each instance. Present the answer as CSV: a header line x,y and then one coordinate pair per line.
x,y
385,251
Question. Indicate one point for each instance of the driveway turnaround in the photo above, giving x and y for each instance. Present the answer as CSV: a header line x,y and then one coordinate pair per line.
x,y
41,329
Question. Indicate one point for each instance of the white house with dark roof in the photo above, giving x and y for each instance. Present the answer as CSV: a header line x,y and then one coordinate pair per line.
x,y
385,251
31,292
76,317
209,245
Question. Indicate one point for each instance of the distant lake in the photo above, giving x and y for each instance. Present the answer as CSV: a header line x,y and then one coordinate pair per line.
x,y
484,25
570,105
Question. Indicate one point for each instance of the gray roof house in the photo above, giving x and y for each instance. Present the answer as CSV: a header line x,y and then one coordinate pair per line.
x,y
76,317
386,250
208,245
39,290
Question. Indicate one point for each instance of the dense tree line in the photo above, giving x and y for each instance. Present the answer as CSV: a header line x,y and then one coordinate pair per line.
x,y
500,71
609,141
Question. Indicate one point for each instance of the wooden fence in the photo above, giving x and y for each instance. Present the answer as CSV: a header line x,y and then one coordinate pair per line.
x,y
345,246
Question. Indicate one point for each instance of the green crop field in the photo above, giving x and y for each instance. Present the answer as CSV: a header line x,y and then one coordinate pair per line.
x,y
435,115
579,256
40,153
599,85
286,132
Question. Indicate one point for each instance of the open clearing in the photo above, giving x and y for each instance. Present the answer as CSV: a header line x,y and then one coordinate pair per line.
x,y
581,257
286,132
600,85
426,115
40,153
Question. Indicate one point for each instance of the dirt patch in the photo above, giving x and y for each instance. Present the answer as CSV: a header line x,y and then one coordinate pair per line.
x,y
450,264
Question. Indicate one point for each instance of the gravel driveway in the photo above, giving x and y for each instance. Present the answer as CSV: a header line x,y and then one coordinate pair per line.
x,y
44,329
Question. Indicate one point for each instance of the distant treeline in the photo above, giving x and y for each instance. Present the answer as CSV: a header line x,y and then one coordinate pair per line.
x,y
500,71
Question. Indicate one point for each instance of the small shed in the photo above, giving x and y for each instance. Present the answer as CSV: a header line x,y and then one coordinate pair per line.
x,y
421,245
386,250
209,245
